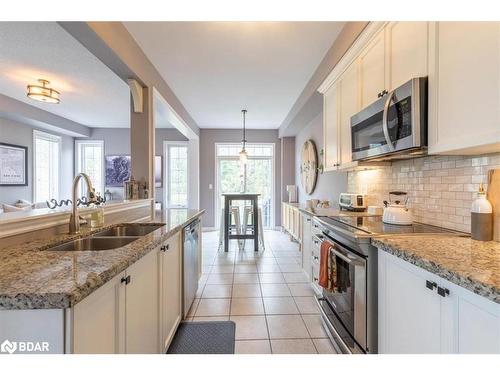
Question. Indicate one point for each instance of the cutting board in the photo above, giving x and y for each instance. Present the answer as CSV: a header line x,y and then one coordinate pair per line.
x,y
494,198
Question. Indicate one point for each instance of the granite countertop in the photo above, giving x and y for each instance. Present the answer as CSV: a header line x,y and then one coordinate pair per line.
x,y
32,277
473,265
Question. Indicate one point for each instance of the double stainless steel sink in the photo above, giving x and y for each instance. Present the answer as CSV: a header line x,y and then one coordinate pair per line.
x,y
108,239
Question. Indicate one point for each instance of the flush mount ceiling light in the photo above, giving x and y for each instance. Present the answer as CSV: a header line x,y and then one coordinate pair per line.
x,y
43,93
243,152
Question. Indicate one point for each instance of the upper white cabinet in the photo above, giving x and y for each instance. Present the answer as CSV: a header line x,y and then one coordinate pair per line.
x,y
415,318
331,128
464,83
462,62
406,52
372,69
349,106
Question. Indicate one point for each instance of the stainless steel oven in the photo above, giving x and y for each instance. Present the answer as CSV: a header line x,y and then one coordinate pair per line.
x,y
395,126
349,308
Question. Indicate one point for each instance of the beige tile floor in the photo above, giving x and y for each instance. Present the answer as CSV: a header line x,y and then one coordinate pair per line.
x,y
264,293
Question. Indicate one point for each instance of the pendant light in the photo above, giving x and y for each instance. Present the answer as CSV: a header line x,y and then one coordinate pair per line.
x,y
43,92
243,152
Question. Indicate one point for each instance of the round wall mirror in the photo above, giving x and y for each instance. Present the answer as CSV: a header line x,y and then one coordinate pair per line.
x,y
309,166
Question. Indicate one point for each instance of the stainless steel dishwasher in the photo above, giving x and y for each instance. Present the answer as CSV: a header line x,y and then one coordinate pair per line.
x,y
190,259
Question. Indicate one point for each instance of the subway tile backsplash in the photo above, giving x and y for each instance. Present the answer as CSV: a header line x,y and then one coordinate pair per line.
x,y
440,188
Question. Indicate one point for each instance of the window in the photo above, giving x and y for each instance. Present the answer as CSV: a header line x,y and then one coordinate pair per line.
x,y
176,172
47,151
254,177
89,159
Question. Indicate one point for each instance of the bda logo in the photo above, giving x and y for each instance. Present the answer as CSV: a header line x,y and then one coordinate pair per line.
x,y
8,347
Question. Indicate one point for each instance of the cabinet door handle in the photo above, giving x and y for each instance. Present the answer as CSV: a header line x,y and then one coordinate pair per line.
x,y
164,248
316,258
125,280
316,279
430,284
443,292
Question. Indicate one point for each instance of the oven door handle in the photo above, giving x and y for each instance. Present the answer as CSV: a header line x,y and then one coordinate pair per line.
x,y
385,119
348,260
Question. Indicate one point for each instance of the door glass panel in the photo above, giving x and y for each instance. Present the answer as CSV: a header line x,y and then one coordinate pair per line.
x,y
254,177
259,181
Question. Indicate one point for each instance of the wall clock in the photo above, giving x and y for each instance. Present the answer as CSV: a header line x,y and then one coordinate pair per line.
x,y
309,166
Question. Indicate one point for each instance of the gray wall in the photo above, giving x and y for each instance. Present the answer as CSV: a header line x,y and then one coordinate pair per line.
x,y
21,134
208,138
117,142
329,184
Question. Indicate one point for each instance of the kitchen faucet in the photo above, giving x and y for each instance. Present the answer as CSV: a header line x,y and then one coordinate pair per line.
x,y
74,220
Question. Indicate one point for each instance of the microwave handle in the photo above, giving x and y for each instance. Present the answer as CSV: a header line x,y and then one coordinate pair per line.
x,y
385,125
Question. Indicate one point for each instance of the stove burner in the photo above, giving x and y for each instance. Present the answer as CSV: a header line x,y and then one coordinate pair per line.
x,y
374,225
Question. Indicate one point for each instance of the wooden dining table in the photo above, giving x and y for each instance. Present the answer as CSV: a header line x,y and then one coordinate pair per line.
x,y
228,235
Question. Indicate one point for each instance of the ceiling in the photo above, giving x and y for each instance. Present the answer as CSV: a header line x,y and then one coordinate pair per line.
x,y
91,94
218,68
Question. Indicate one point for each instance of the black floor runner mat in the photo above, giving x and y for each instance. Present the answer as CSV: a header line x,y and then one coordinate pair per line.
x,y
204,338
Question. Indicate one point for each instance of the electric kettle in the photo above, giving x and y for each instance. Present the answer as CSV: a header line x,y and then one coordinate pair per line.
x,y
396,212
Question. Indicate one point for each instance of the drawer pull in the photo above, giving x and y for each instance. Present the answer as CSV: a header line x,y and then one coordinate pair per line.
x,y
443,292
430,284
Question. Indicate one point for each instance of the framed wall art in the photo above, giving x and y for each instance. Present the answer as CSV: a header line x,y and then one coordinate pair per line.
x,y
13,165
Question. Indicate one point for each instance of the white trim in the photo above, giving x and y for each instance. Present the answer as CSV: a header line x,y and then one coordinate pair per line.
x,y
352,53
174,118
77,161
273,174
166,144
14,223
53,138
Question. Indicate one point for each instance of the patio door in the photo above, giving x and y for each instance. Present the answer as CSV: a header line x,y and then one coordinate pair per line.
x,y
257,176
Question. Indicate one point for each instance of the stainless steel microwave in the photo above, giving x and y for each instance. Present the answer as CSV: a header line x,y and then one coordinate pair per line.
x,y
395,126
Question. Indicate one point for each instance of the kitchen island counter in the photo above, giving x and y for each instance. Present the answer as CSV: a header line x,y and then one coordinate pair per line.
x,y
32,277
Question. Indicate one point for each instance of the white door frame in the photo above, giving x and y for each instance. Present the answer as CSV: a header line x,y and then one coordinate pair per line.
x,y
166,144
217,182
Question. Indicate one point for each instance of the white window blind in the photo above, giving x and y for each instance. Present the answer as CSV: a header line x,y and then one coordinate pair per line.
x,y
47,151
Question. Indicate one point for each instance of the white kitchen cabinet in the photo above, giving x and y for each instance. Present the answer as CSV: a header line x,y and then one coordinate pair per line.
x,y
331,128
99,320
170,290
306,239
141,329
349,106
406,52
464,82
372,69
291,221
414,318
411,313
122,315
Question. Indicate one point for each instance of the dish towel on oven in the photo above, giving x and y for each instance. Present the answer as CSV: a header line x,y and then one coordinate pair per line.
x,y
326,269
